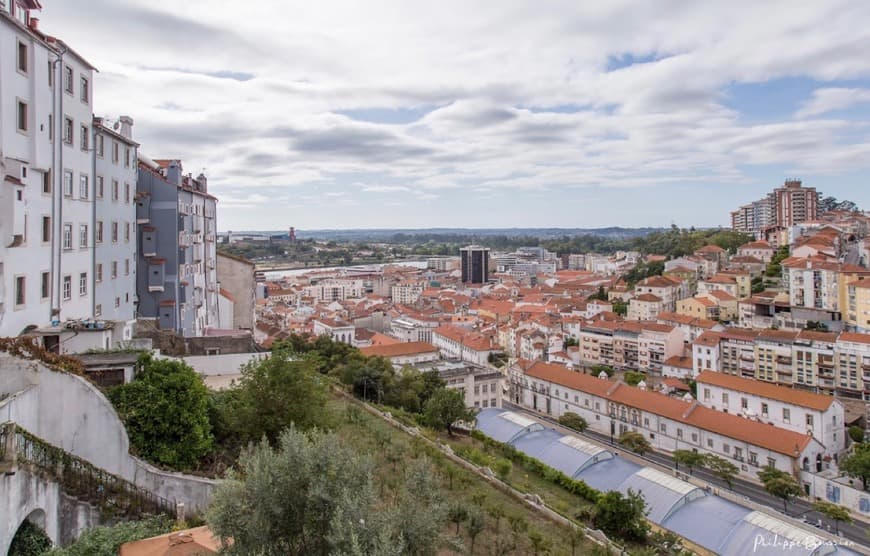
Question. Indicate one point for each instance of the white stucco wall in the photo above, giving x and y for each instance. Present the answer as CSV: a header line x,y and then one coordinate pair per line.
x,y
69,412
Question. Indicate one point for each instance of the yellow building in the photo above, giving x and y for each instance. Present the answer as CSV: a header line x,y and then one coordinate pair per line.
x,y
857,306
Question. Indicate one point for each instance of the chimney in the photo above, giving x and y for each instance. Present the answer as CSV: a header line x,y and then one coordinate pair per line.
x,y
126,126
34,24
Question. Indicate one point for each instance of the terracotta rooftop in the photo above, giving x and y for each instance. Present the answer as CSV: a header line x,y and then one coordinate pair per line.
x,y
732,426
399,349
801,398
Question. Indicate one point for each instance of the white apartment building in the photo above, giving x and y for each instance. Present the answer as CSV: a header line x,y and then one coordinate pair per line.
x,y
410,329
481,387
668,290
668,423
339,331
813,284
47,194
645,306
465,345
406,293
114,228
804,412
335,290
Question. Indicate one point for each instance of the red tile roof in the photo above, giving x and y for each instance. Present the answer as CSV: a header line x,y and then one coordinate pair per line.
x,y
399,349
693,414
802,398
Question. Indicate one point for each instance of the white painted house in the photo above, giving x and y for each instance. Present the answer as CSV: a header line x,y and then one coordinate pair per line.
x,y
796,410
668,423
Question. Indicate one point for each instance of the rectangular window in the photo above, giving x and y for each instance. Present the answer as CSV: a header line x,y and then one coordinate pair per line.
x,y
127,157
114,232
85,89
22,57
709,442
725,398
744,403
786,415
83,236
22,116
114,269
99,187
99,232
98,272
117,302
809,419
663,427
20,283
126,267
114,190
46,229
46,182
98,310
83,186
50,73
679,433
67,236
45,285
83,283
764,409
115,152
127,193
84,138
706,393
726,448
100,141
68,79
68,130
67,287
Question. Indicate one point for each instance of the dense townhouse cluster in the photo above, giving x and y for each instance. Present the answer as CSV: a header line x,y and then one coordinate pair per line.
x,y
76,214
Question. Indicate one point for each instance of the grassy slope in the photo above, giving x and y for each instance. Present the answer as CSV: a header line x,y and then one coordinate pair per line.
x,y
392,448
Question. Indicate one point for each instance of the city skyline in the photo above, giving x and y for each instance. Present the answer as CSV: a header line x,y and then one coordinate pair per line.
x,y
400,116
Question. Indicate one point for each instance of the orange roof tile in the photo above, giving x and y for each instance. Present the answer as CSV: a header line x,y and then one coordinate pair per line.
x,y
693,414
802,398
398,349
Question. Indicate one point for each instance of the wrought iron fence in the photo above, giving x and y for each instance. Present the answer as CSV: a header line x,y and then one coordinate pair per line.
x,y
116,497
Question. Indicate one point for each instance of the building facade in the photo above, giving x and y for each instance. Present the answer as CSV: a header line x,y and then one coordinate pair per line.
x,y
474,262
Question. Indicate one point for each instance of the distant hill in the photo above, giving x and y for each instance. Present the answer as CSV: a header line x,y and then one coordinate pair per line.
x,y
390,234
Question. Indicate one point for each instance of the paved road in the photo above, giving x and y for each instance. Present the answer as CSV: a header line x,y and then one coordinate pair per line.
x,y
857,532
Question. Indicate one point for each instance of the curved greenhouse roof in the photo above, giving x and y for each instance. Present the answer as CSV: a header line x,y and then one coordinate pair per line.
x,y
505,426
663,493
568,454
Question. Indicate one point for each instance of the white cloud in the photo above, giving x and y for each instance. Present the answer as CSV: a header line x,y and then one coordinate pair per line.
x,y
254,97
833,98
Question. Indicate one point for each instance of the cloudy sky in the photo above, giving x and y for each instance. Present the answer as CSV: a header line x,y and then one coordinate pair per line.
x,y
402,114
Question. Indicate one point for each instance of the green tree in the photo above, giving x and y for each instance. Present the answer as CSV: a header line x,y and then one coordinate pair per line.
x,y
781,485
540,544
29,540
476,525
457,513
573,421
856,433
622,516
421,510
620,307
496,511
722,468
275,393
857,464
166,413
690,458
502,468
633,378
444,408
635,441
309,495
107,540
834,512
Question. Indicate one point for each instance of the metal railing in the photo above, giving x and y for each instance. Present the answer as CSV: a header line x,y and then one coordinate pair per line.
x,y
116,497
